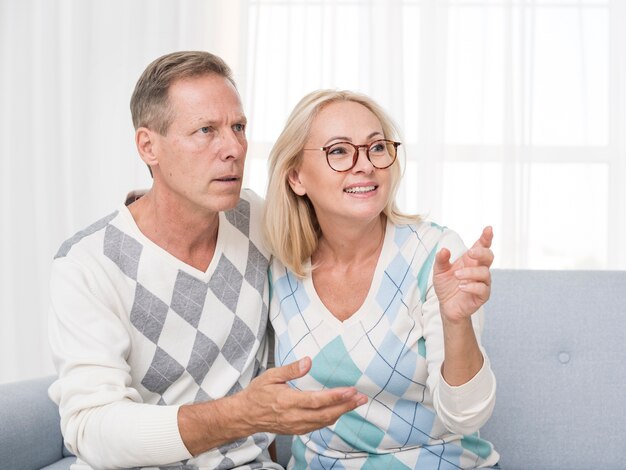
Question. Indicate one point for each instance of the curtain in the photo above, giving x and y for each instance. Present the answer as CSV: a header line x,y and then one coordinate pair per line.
x,y
512,110
513,114
67,155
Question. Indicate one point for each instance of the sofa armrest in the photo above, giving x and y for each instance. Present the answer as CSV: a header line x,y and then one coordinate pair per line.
x,y
30,433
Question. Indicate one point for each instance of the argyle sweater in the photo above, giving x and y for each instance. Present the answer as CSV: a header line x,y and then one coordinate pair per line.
x,y
135,333
391,349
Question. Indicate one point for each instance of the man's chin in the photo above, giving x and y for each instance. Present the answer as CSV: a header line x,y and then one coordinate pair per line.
x,y
226,200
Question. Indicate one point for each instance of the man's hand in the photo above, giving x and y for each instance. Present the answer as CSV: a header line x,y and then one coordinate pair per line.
x,y
268,404
273,406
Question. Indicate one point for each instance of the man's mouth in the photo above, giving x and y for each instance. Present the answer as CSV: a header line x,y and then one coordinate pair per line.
x,y
360,189
228,179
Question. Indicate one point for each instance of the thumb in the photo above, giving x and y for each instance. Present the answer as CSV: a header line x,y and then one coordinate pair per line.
x,y
292,371
442,261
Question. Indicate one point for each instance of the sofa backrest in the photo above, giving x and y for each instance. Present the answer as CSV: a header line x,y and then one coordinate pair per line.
x,y
30,436
557,344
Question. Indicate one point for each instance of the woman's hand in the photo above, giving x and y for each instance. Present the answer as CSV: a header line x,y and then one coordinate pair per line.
x,y
463,286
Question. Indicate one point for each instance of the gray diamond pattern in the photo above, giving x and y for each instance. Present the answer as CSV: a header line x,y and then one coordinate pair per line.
x,y
226,464
261,440
256,269
122,250
163,372
226,283
148,313
240,217
238,345
234,389
188,297
67,245
201,396
263,323
203,356
231,445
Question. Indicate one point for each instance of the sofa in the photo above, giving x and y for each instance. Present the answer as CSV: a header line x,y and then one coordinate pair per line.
x,y
557,343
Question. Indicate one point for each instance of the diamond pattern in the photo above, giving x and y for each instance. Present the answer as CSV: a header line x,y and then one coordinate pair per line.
x,y
240,217
256,269
163,372
148,313
238,345
67,245
226,283
168,312
188,297
123,250
203,355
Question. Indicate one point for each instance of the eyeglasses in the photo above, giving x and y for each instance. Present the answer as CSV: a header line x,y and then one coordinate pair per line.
x,y
342,156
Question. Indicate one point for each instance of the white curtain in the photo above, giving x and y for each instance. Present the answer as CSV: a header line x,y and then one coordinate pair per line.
x,y
513,112
67,150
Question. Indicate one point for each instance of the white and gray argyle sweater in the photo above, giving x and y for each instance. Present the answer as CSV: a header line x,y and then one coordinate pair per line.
x,y
135,333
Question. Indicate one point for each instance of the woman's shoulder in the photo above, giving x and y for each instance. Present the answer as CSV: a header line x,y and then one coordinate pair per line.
x,y
427,234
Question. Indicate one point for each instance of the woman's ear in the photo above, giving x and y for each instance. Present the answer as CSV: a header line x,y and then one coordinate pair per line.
x,y
294,181
145,142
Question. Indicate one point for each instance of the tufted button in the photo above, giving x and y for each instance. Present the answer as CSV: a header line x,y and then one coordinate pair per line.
x,y
564,357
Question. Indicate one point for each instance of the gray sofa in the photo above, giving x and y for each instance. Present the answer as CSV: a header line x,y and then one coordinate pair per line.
x,y
557,343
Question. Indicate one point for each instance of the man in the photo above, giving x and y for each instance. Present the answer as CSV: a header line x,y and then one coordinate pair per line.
x,y
159,310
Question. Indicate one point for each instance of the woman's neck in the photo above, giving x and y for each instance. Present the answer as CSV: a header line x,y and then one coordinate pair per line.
x,y
348,243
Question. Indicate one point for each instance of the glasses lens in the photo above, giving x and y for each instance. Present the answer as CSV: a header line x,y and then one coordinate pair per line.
x,y
340,156
382,153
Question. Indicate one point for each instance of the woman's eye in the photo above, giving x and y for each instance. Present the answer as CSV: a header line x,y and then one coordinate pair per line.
x,y
339,150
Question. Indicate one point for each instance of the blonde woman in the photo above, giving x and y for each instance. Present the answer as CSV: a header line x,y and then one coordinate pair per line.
x,y
379,300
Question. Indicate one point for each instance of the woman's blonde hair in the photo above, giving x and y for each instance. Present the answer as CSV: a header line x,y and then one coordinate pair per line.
x,y
290,224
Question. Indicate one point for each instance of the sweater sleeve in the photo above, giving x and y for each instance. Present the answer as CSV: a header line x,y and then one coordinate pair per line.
x,y
462,409
103,419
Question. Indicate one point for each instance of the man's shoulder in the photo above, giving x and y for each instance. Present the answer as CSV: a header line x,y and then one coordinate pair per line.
x,y
247,212
90,231
252,198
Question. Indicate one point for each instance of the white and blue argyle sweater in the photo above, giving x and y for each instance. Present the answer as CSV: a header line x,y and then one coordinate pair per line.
x,y
135,333
390,349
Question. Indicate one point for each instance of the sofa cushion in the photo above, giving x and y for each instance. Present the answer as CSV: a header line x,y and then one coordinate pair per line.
x,y
23,412
63,464
556,343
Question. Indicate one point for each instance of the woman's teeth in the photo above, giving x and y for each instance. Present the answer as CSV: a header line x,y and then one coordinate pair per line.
x,y
360,189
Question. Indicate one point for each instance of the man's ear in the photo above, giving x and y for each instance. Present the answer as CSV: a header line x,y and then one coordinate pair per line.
x,y
294,181
145,142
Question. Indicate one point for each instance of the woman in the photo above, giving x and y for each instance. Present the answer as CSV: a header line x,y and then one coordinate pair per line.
x,y
382,301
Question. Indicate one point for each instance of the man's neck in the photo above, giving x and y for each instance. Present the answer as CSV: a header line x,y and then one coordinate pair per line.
x,y
189,235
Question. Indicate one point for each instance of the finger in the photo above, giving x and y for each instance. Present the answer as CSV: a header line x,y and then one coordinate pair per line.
x,y
475,274
329,398
292,371
483,255
486,237
479,289
309,420
442,261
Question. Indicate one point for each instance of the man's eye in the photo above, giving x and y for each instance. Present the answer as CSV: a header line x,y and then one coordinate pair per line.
x,y
239,127
205,129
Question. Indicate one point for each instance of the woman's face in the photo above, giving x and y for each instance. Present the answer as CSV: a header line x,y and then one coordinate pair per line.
x,y
359,194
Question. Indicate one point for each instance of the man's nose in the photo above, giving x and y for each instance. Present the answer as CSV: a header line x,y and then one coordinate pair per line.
x,y
233,145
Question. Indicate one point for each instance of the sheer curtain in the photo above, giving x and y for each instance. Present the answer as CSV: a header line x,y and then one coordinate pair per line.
x,y
67,154
513,112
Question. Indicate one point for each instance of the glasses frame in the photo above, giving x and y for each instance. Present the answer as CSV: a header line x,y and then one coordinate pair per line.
x,y
355,156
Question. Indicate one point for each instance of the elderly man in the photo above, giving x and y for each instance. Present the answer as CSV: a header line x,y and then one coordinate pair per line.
x,y
159,310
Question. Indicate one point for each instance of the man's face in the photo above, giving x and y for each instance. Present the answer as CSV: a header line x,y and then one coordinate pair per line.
x,y
201,159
